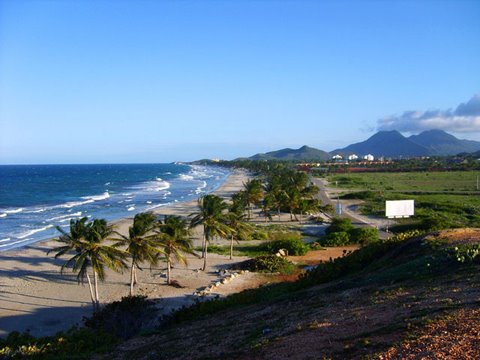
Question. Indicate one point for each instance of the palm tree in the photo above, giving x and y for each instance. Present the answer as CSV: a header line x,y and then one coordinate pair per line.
x,y
174,238
87,240
253,194
211,217
140,244
237,223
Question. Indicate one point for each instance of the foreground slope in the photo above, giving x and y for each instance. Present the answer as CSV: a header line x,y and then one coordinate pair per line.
x,y
390,301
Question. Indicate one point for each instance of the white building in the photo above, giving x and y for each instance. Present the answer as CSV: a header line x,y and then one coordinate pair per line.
x,y
369,157
352,157
337,157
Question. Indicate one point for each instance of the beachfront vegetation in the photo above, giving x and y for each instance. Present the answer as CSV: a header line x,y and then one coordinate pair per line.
x,y
87,242
211,217
123,319
140,245
267,264
174,239
253,194
237,224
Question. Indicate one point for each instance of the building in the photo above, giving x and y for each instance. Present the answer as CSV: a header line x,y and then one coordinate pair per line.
x,y
369,157
352,157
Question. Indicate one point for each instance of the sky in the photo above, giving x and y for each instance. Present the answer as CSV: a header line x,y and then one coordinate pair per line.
x,y
160,81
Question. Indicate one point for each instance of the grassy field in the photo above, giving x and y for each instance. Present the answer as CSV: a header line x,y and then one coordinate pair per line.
x,y
442,199
445,182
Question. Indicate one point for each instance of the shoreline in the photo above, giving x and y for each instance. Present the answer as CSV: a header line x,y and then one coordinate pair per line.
x,y
24,232
37,297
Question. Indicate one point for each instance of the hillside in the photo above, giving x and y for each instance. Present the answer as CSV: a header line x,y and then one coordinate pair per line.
x,y
303,153
393,300
441,143
386,143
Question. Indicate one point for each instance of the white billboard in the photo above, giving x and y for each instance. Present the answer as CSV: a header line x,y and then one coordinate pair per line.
x,y
399,208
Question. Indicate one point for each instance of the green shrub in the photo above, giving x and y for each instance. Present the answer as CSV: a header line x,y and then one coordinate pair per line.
x,y
268,264
76,343
294,246
433,223
124,318
361,195
285,235
339,238
363,235
259,235
464,253
339,225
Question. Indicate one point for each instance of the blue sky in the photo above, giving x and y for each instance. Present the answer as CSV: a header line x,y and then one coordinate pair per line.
x,y
159,81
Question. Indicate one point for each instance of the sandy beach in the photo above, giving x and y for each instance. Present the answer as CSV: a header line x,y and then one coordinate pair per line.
x,y
37,297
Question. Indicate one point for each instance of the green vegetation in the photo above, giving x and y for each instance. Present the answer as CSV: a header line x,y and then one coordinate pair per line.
x,y
175,242
294,246
210,216
91,254
139,246
444,182
342,232
123,319
75,344
267,264
442,199
291,241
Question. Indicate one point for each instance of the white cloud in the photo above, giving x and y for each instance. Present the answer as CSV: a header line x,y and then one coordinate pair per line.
x,y
464,119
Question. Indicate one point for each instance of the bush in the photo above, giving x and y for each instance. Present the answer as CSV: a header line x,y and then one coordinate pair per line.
x,y
340,238
339,225
259,235
294,246
268,264
363,235
124,318
361,195
77,343
433,223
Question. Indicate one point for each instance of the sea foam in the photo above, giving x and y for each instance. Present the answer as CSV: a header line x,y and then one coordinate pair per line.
x,y
34,231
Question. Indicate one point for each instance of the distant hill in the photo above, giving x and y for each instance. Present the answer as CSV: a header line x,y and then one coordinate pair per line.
x,y
303,153
394,144
441,143
386,143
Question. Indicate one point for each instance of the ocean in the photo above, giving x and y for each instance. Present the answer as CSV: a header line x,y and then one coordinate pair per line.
x,y
34,199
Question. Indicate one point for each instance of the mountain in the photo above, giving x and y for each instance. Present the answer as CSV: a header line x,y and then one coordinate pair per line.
x,y
386,143
303,153
441,143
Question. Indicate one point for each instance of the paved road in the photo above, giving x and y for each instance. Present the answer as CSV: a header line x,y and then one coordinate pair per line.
x,y
357,220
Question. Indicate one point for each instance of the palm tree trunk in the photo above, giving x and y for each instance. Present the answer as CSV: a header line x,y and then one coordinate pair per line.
x,y
132,271
231,248
205,256
92,296
169,267
135,281
204,242
97,299
278,213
